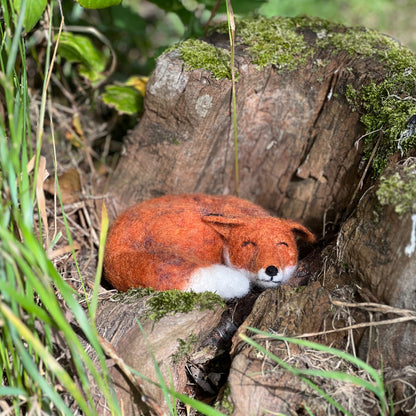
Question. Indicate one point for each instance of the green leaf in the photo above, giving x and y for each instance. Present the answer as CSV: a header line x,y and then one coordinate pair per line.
x,y
80,49
33,12
98,4
124,99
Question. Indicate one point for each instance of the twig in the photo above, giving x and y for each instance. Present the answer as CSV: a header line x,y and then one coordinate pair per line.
x,y
359,326
360,184
231,32
376,307
211,17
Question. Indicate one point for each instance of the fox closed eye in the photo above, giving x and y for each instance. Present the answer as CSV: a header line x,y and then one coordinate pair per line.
x,y
283,244
247,243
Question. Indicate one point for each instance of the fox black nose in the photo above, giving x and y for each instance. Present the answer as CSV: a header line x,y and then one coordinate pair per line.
x,y
272,271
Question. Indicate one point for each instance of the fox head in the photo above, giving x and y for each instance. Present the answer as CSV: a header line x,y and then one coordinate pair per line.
x,y
264,248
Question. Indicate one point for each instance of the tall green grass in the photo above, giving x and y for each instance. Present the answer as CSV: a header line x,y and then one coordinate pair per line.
x,y
375,385
37,307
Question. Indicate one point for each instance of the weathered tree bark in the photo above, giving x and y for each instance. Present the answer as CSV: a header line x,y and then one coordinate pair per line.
x,y
296,134
258,384
118,321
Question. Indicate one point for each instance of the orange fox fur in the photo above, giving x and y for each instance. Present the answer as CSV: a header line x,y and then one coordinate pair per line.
x,y
201,242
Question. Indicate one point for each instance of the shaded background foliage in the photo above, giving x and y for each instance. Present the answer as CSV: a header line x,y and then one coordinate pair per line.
x,y
140,30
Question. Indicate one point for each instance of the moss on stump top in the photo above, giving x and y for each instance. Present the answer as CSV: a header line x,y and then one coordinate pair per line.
x,y
386,105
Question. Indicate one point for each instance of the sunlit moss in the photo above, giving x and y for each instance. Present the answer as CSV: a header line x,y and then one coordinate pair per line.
x,y
385,106
198,54
399,189
273,41
170,302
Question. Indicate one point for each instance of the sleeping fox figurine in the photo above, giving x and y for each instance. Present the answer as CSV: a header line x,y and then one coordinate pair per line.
x,y
201,243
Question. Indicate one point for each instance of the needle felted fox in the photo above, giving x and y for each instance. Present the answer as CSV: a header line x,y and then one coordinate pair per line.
x,y
201,243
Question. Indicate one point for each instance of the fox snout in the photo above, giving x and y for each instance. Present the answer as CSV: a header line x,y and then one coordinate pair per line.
x,y
265,263
272,276
264,249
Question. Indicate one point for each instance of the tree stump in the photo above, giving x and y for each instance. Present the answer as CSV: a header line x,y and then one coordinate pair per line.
x,y
301,155
297,134
157,341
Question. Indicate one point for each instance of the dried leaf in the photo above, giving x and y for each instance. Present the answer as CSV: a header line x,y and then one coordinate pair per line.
x,y
70,185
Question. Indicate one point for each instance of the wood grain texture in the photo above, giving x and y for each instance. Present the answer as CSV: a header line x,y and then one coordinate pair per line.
x,y
296,135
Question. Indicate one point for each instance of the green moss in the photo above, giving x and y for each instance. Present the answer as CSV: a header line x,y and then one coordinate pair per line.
x,y
386,106
356,40
316,24
273,41
386,109
185,348
399,190
170,302
198,54
224,404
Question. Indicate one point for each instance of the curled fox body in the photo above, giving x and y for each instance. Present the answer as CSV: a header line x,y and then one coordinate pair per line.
x,y
201,243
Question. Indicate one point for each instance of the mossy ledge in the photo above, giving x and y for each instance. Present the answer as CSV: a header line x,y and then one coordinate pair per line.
x,y
170,302
198,54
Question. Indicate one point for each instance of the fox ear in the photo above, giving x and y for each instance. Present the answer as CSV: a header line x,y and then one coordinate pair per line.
x,y
300,231
221,224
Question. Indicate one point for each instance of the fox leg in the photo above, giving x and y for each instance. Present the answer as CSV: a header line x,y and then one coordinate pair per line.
x,y
222,280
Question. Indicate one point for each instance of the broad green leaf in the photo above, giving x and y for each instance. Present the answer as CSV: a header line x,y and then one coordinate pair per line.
x,y
34,11
98,4
80,49
123,98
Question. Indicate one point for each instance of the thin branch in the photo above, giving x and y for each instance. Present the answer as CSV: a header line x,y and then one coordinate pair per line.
x,y
231,32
